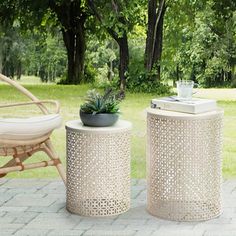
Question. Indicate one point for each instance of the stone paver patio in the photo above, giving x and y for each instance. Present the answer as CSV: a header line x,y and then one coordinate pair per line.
x,y
37,207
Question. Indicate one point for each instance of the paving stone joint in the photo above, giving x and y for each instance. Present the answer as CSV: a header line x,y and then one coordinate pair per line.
x,y
37,207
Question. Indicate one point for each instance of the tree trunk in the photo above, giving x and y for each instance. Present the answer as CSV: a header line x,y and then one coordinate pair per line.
x,y
233,69
1,59
152,5
72,18
110,67
124,62
18,70
177,75
75,46
158,45
153,50
0,64
177,72
80,52
110,70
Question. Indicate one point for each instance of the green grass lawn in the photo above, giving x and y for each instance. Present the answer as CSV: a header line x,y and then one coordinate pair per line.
x,y
132,108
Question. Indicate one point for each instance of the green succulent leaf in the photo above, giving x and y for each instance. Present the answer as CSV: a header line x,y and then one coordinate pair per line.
x,y
96,103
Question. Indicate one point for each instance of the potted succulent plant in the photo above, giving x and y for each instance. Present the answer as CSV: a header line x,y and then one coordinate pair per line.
x,y
100,110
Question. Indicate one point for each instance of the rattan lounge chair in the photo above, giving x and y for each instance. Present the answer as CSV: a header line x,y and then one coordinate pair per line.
x,y
22,137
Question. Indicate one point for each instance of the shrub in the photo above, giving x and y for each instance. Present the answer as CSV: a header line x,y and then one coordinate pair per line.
x,y
145,82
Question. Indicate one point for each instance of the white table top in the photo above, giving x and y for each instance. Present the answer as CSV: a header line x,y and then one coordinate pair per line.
x,y
181,115
77,125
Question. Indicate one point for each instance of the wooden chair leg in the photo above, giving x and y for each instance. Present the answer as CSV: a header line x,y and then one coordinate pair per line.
x,y
2,175
49,149
12,162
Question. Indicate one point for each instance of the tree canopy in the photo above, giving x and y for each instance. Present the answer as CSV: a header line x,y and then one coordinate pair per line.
x,y
137,45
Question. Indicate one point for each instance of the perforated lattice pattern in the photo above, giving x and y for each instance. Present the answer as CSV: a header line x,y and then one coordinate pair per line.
x,y
98,172
184,167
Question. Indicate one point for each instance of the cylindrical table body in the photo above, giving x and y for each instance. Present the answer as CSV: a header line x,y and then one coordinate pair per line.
x,y
98,169
184,164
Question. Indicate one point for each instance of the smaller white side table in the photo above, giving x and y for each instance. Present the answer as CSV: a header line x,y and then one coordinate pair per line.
x,y
98,169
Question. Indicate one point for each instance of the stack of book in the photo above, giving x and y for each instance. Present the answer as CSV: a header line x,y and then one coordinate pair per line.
x,y
193,106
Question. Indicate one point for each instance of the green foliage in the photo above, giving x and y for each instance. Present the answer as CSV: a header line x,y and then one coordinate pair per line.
x,y
210,48
200,42
26,46
96,103
11,50
90,73
108,84
101,61
44,56
139,80
120,15
145,82
233,83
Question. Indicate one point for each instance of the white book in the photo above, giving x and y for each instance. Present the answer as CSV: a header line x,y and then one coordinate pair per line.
x,y
194,106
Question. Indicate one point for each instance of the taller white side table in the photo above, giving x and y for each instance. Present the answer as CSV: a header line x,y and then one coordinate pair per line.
x,y
98,169
184,164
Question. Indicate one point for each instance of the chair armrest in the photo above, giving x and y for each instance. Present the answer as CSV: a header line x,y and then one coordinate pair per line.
x,y
23,91
56,103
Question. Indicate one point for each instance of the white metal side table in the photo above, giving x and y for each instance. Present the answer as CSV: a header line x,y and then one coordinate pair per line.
x,y
184,164
98,169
